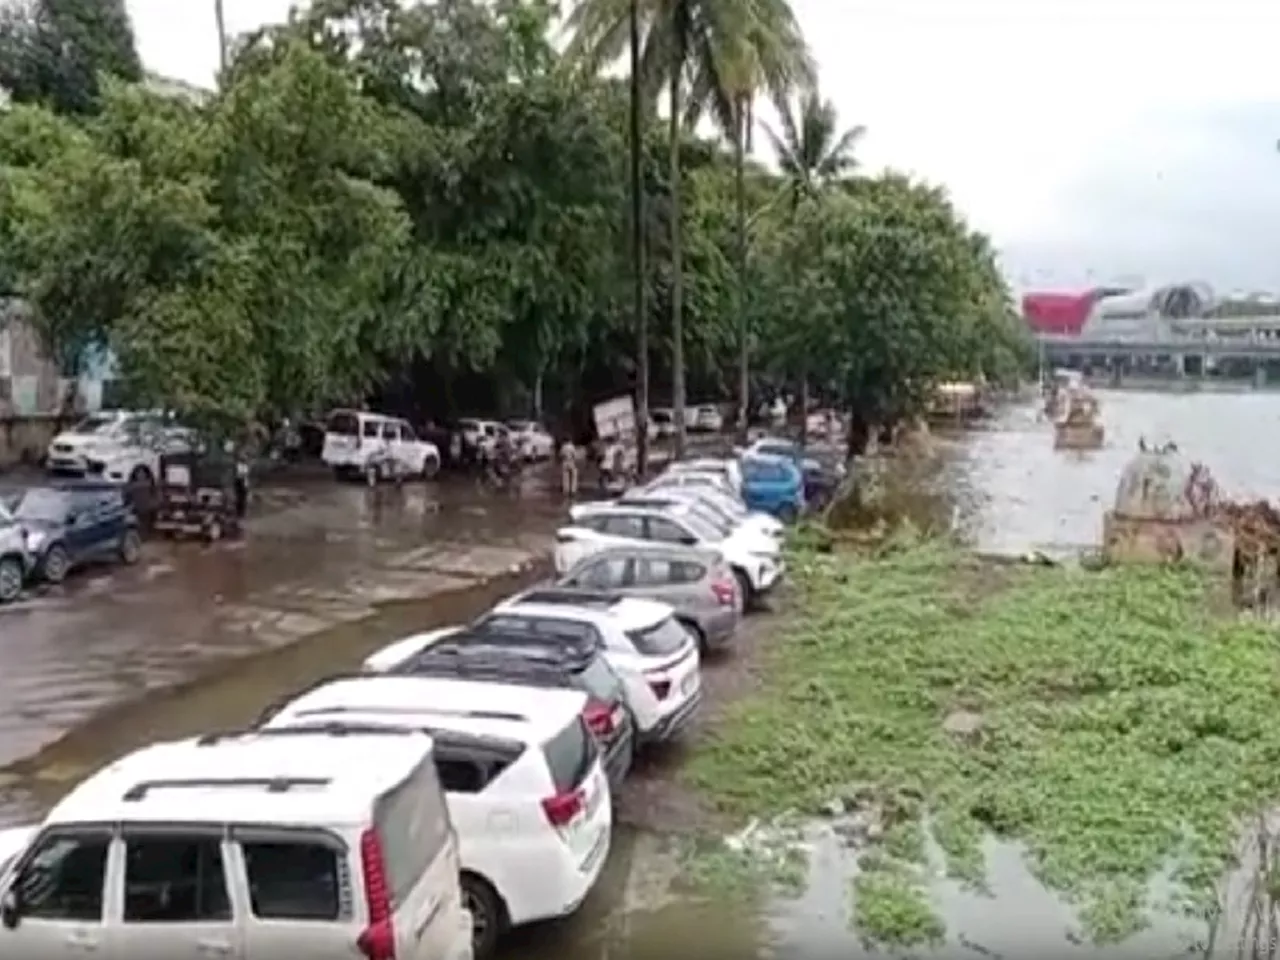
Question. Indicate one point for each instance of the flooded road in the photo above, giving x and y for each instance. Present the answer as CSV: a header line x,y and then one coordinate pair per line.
x,y
337,553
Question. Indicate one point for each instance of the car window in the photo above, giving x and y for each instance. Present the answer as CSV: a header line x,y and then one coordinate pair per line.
x,y
570,754
344,424
601,681
667,531
64,878
174,879
606,574
624,525
42,504
413,824
660,572
295,879
369,428
407,433
662,639
95,424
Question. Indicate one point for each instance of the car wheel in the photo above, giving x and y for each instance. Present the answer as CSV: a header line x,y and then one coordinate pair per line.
x,y
745,589
430,467
130,547
11,577
56,564
698,635
488,916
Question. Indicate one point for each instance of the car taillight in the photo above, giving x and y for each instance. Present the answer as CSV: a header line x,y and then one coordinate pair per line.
x,y
563,807
725,590
660,688
378,942
599,718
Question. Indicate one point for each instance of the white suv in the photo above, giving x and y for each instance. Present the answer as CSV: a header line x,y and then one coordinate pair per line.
x,y
754,556
119,446
651,651
523,779
260,846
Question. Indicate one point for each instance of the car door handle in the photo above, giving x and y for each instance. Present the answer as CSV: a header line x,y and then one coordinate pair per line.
x,y
79,940
214,948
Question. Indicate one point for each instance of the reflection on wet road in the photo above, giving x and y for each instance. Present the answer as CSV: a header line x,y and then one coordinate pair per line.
x,y
315,558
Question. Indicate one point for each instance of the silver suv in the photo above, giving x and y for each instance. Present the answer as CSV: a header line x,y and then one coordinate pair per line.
x,y
15,558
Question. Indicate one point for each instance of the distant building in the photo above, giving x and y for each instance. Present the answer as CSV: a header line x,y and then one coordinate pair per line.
x,y
31,385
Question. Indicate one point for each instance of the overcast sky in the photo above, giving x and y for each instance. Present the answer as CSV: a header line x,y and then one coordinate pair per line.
x,y
1094,139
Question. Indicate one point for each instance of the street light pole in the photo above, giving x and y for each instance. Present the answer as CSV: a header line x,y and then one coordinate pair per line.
x,y
219,17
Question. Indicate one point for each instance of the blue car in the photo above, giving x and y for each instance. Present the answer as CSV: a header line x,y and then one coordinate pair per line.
x,y
67,526
772,485
820,483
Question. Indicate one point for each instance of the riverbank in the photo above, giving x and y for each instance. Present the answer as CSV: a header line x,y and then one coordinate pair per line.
x,y
1113,724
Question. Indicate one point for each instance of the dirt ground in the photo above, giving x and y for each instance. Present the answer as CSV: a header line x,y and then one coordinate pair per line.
x,y
655,798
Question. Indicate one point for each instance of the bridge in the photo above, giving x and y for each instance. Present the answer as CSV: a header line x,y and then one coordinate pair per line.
x,y
1239,348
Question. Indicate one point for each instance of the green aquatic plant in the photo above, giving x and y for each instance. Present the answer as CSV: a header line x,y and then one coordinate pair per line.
x,y
1113,722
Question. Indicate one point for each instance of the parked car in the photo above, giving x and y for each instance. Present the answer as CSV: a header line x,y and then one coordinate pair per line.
x,y
820,482
373,446
715,497
16,560
481,434
707,418
696,479
662,423
522,777
698,584
323,842
754,557
120,446
727,468
531,439
530,661
700,502
68,526
655,656
773,485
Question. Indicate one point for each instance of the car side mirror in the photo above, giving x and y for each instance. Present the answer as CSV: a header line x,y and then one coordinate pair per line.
x,y
11,909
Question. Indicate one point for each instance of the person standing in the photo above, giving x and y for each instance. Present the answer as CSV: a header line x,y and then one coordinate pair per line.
x,y
568,468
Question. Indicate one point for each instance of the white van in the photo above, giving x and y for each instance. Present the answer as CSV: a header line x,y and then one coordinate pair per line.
x,y
261,846
362,444
522,775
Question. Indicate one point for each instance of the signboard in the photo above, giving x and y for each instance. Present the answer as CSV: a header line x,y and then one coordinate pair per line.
x,y
615,419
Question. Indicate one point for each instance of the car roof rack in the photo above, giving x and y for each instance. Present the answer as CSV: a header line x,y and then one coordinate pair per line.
x,y
497,745
140,790
427,708
568,597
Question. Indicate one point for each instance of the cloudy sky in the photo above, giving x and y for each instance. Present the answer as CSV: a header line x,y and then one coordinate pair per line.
x,y
1095,139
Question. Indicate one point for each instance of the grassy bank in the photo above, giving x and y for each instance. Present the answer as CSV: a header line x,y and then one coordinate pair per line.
x,y
1111,721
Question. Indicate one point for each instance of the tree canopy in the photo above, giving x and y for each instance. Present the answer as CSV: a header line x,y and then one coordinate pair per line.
x,y
422,204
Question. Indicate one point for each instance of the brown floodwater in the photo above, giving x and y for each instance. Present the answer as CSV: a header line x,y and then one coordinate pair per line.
x,y
1002,486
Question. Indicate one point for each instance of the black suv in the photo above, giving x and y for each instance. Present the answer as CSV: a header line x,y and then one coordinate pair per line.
x,y
498,656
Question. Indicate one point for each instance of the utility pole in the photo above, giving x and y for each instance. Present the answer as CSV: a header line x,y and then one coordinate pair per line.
x,y
637,252
219,16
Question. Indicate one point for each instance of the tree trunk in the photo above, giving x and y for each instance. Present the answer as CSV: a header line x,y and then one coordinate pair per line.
x,y
637,254
537,397
677,264
742,298
804,407
859,435
219,17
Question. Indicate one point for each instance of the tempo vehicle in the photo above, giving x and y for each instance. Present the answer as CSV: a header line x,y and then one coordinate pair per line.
x,y
324,843
773,485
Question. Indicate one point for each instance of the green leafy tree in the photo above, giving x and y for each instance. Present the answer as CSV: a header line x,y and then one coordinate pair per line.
x,y
54,52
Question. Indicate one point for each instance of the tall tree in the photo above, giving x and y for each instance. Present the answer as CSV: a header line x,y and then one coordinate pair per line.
x,y
812,152
638,278
53,52
712,55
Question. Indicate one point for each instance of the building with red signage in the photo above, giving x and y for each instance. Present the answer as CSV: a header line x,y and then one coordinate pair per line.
x,y
1062,314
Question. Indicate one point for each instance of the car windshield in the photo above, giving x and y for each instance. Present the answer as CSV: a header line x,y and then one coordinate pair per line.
x,y
703,528
95,424
42,505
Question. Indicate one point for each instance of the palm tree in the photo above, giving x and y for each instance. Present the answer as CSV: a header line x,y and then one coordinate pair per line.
x,y
724,52
813,152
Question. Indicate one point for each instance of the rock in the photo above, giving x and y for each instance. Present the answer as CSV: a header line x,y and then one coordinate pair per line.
x,y
964,724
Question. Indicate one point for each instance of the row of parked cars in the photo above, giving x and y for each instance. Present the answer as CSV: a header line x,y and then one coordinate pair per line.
x,y
458,784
